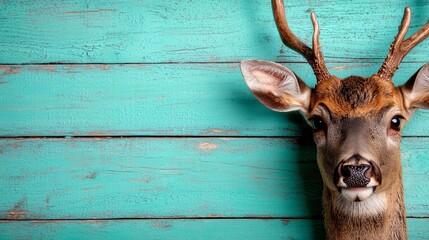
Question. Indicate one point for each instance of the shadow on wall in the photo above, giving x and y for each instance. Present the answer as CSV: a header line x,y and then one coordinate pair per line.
x,y
305,157
260,36
302,159
311,180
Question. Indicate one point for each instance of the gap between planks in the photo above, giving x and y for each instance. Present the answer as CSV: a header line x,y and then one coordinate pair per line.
x,y
171,218
141,136
348,60
167,137
159,218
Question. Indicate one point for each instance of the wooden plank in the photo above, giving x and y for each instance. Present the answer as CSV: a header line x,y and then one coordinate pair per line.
x,y
175,177
166,229
164,99
181,229
196,31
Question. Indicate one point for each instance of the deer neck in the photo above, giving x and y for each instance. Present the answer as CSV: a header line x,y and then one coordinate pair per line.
x,y
387,223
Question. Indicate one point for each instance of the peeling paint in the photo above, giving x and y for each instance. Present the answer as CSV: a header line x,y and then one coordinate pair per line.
x,y
97,133
71,67
95,222
285,221
161,224
47,68
92,175
346,67
220,131
17,212
14,145
256,177
97,66
42,222
206,146
7,70
340,67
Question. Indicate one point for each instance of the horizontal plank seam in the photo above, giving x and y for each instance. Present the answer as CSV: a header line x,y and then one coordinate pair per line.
x,y
164,136
141,136
160,218
348,60
175,218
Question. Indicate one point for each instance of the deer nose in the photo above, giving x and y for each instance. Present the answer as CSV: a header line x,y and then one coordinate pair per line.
x,y
356,172
354,175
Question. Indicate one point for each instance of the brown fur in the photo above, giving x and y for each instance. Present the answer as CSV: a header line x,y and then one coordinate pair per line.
x,y
354,117
357,97
387,226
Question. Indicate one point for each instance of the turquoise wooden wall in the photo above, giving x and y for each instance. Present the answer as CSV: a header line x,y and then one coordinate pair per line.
x,y
130,119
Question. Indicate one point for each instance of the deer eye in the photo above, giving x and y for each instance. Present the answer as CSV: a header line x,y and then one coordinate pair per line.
x,y
395,123
317,123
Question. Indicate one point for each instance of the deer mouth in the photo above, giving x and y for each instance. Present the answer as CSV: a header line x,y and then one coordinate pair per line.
x,y
356,194
356,178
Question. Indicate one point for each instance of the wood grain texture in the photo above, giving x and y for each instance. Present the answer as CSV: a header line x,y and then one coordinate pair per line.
x,y
182,229
161,99
168,229
175,177
196,31
165,75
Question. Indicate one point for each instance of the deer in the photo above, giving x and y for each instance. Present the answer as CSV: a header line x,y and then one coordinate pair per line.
x,y
357,124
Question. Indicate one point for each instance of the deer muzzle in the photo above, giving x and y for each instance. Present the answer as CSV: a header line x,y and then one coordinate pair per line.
x,y
356,178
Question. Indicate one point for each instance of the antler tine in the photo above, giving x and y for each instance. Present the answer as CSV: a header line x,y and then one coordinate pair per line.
x,y
399,48
313,56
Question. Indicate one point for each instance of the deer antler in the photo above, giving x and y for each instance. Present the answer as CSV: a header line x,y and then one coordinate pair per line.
x,y
399,48
313,56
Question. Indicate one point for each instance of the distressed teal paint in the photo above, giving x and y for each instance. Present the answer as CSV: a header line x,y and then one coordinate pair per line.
x,y
196,31
164,75
177,99
117,178
181,229
166,229
175,177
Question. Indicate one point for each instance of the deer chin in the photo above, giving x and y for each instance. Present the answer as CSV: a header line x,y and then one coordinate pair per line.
x,y
357,194
375,204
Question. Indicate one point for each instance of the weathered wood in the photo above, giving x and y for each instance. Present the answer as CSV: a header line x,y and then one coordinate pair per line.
x,y
177,99
181,229
167,229
206,179
196,31
174,177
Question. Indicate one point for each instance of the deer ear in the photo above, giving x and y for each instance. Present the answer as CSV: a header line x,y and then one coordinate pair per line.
x,y
275,86
416,89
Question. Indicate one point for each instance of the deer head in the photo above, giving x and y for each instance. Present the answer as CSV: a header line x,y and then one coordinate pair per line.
x,y
357,123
